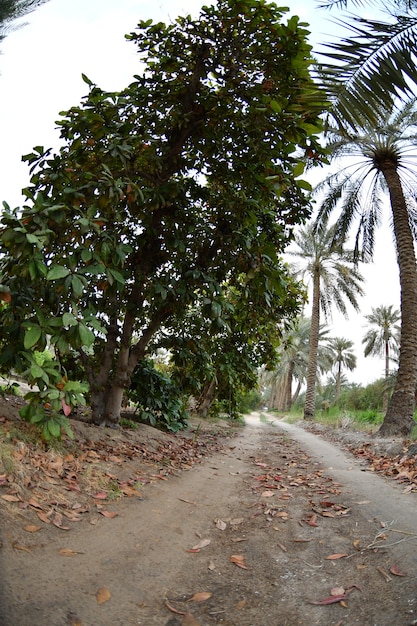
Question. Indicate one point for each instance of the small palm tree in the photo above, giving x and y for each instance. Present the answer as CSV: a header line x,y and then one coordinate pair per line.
x,y
383,337
335,279
382,161
342,356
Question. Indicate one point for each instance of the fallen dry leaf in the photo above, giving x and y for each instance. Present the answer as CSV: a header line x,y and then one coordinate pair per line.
x,y
100,496
200,596
312,520
68,552
334,599
395,571
19,546
103,595
189,620
109,514
31,528
334,557
220,524
57,521
43,517
202,544
211,566
10,498
238,560
173,609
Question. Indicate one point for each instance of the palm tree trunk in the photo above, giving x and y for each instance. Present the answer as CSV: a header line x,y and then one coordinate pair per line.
x,y
385,394
338,382
399,418
310,400
288,387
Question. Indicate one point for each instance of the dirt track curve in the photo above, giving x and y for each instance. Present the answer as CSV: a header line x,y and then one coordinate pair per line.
x,y
243,539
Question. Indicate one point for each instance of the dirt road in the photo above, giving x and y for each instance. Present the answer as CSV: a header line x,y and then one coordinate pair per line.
x,y
279,529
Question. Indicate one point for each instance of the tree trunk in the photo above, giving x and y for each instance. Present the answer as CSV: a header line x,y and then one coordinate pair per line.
x,y
310,399
288,387
385,393
296,393
399,418
338,382
207,398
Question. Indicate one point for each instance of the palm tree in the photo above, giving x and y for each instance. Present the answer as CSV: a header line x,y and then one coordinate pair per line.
x,y
11,10
382,337
334,278
340,351
382,159
374,62
293,362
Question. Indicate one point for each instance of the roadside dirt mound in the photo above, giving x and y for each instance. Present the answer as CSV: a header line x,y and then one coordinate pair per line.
x,y
238,527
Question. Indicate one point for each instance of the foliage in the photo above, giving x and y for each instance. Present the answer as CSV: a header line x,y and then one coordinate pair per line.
x,y
162,193
249,401
11,10
373,65
379,161
157,398
334,277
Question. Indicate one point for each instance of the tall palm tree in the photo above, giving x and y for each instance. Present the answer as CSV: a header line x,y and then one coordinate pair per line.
x,y
375,61
334,279
342,357
382,161
382,337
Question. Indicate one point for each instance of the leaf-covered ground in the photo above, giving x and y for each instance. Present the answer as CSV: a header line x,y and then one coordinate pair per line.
x,y
239,527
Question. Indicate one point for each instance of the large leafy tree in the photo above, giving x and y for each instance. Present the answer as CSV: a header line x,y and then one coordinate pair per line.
x,y
163,193
334,279
383,337
381,162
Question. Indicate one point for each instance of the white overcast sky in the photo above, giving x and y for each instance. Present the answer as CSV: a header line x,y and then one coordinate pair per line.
x,y
40,75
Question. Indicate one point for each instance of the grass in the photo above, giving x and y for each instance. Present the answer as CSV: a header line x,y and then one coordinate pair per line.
x,y
366,421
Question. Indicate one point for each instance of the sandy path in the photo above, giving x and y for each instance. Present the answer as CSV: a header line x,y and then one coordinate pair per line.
x,y
141,555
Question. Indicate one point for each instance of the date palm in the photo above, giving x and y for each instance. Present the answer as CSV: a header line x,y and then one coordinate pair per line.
x,y
293,362
335,279
382,337
381,162
343,357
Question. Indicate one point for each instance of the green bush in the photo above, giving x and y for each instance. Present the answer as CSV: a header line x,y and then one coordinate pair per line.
x,y
157,398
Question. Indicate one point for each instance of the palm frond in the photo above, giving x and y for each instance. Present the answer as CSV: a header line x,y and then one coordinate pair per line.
x,y
370,68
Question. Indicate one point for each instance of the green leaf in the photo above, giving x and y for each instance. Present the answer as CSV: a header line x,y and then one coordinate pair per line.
x,y
87,80
117,276
275,106
299,169
56,272
69,320
54,428
86,335
37,372
32,336
77,286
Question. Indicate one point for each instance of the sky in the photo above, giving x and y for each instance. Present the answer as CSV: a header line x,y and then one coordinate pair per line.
x,y
40,75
